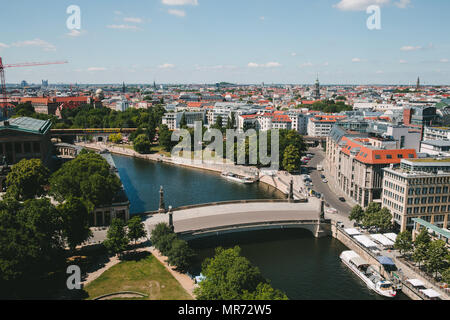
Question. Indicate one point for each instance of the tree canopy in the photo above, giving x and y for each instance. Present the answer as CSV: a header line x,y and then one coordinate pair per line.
x,y
229,276
27,179
88,177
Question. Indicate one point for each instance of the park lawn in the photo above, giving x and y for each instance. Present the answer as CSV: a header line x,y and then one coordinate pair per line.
x,y
147,276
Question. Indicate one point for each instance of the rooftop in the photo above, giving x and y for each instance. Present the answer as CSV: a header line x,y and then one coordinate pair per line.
x,y
436,229
26,124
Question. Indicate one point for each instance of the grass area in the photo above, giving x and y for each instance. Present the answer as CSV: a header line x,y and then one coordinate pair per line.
x,y
145,275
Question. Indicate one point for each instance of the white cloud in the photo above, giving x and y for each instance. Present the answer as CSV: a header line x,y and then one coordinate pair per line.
x,y
3,45
92,69
379,72
265,65
403,3
133,20
180,2
118,12
262,18
306,64
166,66
294,54
444,60
410,48
358,5
74,33
326,64
123,27
178,13
356,60
403,61
217,67
35,43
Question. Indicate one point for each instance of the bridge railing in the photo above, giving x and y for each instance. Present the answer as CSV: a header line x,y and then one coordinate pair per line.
x,y
194,206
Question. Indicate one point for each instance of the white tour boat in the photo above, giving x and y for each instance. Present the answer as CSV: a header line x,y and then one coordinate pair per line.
x,y
237,178
368,274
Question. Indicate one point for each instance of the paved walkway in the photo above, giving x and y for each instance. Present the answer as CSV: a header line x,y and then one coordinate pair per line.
x,y
185,281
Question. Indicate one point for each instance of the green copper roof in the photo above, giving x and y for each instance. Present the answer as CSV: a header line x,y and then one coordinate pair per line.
x,y
26,124
431,226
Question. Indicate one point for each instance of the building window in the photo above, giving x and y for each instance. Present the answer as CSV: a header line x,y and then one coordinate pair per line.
x,y
430,199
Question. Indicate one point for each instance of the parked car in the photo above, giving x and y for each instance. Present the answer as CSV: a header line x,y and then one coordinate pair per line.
x,y
325,181
342,199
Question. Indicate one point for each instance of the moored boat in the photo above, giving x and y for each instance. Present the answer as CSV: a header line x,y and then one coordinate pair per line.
x,y
368,274
237,178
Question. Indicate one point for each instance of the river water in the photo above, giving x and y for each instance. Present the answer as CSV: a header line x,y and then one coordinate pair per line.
x,y
292,259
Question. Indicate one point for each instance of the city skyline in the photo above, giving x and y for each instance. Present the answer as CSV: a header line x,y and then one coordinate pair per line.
x,y
199,41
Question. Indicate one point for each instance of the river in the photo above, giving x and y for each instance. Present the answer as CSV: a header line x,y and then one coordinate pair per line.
x,y
293,260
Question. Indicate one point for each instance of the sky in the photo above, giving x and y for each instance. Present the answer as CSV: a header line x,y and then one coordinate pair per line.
x,y
238,41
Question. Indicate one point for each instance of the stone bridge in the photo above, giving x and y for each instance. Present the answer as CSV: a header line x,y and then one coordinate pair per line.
x,y
236,216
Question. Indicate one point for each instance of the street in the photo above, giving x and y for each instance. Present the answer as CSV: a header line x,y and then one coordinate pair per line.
x,y
329,196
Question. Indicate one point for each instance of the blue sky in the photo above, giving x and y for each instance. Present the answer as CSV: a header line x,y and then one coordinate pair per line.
x,y
241,41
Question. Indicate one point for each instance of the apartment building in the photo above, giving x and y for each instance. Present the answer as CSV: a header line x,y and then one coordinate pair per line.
x,y
418,188
436,133
321,125
355,162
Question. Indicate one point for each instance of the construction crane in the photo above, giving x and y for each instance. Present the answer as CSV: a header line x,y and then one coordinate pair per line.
x,y
3,95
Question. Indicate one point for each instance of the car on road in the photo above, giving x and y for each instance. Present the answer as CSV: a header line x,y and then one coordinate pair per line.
x,y
342,199
331,211
325,181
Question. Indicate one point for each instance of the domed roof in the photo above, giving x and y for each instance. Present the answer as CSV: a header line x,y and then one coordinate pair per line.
x,y
99,91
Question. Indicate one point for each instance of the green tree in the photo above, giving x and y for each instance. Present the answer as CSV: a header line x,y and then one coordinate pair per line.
x,y
227,276
136,229
31,244
264,291
180,255
357,214
218,124
383,220
446,276
27,179
403,242
165,138
291,159
116,238
183,122
436,257
422,238
142,144
75,217
164,245
88,177
160,230
115,138
420,252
